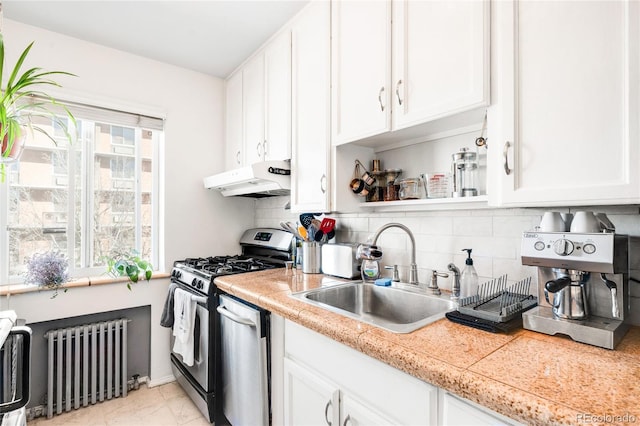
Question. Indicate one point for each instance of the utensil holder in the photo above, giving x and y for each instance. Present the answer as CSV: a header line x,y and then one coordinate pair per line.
x,y
311,257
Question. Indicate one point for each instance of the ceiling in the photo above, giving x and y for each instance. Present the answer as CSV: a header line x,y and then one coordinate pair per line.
x,y
209,36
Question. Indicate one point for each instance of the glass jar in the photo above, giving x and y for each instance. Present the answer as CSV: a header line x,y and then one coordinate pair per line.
x,y
410,189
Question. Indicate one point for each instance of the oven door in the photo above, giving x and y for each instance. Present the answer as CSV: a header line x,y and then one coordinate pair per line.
x,y
202,369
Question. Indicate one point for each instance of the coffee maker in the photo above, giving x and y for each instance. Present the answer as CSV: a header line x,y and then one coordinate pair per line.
x,y
583,285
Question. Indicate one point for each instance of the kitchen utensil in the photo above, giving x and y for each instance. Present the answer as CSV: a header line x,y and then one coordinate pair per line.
x,y
552,222
305,219
585,222
327,224
464,167
410,189
303,232
437,184
362,180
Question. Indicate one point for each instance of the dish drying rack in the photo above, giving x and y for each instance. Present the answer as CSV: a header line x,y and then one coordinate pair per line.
x,y
498,303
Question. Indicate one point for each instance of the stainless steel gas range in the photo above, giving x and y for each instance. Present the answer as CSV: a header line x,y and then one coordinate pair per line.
x,y
211,373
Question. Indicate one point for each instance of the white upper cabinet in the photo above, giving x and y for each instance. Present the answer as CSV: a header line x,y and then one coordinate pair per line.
x,y
311,130
361,69
437,67
565,126
253,109
233,120
277,97
440,59
258,98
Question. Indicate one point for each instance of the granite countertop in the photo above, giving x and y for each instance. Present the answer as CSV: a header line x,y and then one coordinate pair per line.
x,y
527,376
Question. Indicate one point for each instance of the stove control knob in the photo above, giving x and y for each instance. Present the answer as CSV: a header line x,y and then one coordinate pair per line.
x,y
177,273
563,247
200,284
194,282
589,248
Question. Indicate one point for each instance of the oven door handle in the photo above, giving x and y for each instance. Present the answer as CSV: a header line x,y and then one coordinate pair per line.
x,y
235,318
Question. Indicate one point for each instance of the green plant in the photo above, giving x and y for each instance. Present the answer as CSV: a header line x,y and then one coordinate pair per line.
x,y
130,265
22,100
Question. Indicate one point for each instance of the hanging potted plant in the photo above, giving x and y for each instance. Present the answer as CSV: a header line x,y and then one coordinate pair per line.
x,y
49,270
21,100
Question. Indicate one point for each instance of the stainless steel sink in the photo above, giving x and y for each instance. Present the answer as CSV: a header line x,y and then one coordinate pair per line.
x,y
395,309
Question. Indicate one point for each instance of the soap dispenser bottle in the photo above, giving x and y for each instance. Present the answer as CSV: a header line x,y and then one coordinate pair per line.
x,y
468,278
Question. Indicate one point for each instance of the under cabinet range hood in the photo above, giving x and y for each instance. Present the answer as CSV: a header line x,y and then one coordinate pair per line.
x,y
261,179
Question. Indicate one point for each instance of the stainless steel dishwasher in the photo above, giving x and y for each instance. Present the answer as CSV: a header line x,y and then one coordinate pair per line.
x,y
244,330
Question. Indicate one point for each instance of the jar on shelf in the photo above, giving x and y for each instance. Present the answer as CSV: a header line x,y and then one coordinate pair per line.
x,y
410,189
393,188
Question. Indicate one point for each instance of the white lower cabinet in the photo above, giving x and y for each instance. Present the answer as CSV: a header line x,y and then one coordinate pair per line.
x,y
328,383
455,411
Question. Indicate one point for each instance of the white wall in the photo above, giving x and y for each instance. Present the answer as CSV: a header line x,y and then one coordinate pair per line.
x,y
196,222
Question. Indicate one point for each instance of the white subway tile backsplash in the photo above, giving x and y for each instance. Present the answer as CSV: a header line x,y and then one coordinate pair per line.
x,y
473,226
493,234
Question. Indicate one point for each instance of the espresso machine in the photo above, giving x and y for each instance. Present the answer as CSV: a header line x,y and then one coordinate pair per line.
x,y
583,285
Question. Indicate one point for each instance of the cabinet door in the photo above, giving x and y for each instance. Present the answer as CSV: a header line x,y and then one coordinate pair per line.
x,y
234,154
277,72
566,119
361,69
309,400
456,412
311,130
355,413
253,109
440,59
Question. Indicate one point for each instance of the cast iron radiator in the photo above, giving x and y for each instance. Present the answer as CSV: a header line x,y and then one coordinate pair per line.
x,y
86,364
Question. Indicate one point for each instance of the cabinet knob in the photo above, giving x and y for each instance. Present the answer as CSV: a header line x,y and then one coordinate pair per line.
x,y
380,98
507,170
323,183
398,92
238,157
259,149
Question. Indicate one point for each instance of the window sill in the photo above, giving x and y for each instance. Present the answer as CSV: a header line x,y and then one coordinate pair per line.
x,y
19,288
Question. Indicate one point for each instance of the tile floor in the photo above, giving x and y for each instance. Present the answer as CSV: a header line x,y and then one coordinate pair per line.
x,y
160,405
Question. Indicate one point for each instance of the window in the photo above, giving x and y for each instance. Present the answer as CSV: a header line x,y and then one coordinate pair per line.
x,y
87,198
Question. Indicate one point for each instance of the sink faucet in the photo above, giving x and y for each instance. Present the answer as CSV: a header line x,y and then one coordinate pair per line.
x,y
455,290
413,270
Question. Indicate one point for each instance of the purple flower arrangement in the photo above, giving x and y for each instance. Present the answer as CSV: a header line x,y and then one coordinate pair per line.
x,y
49,270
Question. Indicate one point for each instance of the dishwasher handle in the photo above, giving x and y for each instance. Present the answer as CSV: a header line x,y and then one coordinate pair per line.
x,y
233,317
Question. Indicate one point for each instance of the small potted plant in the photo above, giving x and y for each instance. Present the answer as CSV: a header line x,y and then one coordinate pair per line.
x,y
130,265
21,100
49,270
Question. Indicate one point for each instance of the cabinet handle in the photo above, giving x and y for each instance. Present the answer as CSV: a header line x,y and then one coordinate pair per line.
x,y
326,412
507,170
258,150
398,91
238,157
323,183
380,98
264,148
348,419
